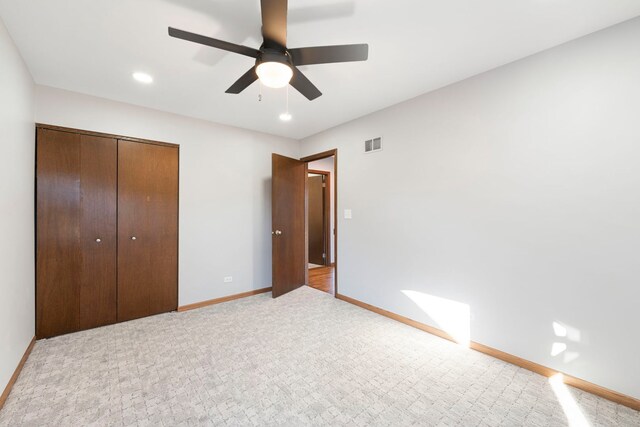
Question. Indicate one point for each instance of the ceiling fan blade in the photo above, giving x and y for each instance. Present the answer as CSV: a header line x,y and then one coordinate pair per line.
x,y
243,82
303,85
274,23
208,41
328,54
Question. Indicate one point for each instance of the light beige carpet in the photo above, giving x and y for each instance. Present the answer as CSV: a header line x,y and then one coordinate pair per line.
x,y
302,359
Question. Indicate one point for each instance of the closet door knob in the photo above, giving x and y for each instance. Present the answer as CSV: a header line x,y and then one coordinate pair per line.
x,y
133,237
98,240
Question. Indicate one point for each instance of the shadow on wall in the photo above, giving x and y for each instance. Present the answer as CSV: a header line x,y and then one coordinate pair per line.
x,y
451,316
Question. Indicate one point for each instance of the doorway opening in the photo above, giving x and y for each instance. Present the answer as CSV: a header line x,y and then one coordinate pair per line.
x,y
290,224
321,221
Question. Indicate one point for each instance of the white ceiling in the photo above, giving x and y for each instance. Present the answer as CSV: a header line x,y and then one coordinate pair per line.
x,y
415,46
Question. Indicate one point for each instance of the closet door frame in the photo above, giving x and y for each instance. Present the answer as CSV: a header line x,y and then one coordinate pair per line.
x,y
104,135
131,139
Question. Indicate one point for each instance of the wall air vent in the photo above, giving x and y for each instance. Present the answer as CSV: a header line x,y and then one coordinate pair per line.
x,y
371,145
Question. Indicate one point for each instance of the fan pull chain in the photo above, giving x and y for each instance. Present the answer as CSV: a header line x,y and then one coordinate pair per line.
x,y
286,116
259,91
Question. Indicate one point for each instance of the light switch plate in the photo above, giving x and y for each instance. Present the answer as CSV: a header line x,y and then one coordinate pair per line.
x,y
347,214
228,279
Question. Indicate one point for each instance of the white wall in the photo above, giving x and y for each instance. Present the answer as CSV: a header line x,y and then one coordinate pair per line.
x,y
516,192
326,165
225,187
17,136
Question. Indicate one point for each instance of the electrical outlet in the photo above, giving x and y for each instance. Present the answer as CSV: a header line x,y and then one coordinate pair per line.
x,y
228,279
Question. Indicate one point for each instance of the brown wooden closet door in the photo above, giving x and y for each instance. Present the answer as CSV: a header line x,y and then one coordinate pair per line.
x,y
147,229
98,230
58,257
76,204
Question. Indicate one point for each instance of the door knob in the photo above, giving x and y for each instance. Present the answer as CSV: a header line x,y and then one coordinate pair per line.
x,y
133,237
98,240
278,232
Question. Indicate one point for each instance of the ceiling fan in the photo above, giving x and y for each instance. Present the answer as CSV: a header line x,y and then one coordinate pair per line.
x,y
276,65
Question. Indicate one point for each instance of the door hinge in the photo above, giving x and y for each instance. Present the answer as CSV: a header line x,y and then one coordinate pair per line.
x,y
324,185
324,255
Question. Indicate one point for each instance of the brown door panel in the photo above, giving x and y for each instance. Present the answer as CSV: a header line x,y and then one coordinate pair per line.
x,y
288,221
147,229
58,255
76,205
98,216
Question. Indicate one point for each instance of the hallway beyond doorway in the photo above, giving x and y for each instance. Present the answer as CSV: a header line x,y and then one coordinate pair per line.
x,y
322,278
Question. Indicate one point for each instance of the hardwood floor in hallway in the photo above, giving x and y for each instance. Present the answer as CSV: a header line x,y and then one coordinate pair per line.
x,y
322,278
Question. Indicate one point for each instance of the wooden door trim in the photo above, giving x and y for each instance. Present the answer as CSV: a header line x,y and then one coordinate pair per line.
x,y
325,154
103,135
215,301
326,213
320,156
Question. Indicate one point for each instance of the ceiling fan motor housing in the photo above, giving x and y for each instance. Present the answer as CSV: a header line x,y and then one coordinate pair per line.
x,y
273,55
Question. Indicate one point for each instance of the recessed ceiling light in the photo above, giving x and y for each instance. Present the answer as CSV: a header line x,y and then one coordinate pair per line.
x,y
143,77
285,117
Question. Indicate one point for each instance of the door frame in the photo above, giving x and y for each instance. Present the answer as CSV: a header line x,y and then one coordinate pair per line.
x,y
319,156
326,214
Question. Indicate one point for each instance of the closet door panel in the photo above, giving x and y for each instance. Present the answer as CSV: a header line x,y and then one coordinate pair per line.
x,y
147,229
98,190
59,258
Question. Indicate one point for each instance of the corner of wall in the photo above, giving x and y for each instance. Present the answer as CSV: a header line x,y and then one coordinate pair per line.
x,y
17,306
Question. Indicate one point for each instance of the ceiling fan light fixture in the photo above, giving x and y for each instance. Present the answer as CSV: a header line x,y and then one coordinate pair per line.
x,y
274,74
